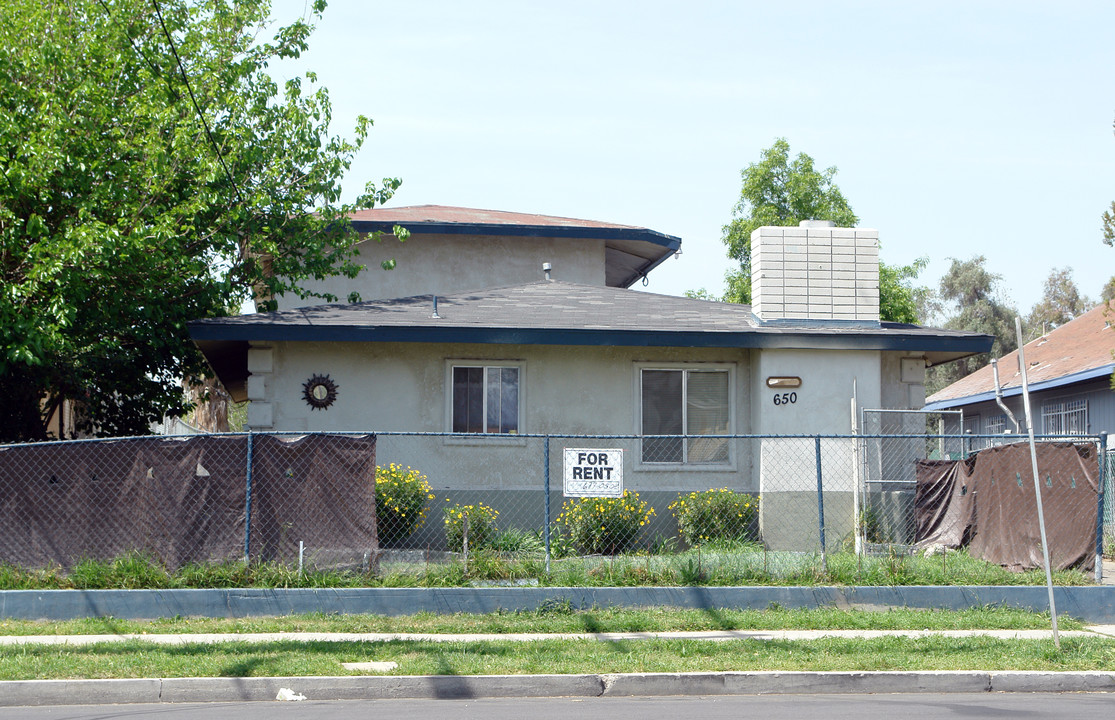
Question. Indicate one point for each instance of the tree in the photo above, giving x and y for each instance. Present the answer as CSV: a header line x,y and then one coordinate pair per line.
x,y
899,299
153,174
1061,303
1108,292
779,192
973,292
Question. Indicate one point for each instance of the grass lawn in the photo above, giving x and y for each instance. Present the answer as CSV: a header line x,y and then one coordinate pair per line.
x,y
724,566
286,658
291,658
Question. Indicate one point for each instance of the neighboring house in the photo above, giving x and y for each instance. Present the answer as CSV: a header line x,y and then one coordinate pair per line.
x,y
1069,377
470,335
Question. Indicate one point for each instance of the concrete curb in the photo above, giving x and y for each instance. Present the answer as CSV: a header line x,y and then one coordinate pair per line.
x,y
1092,604
182,690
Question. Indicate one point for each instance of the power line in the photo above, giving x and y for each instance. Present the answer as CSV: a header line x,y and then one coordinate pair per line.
x,y
131,41
193,99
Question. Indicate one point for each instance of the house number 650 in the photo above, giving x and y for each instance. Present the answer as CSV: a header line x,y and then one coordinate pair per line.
x,y
785,398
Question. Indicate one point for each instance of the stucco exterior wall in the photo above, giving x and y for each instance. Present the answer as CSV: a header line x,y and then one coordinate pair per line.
x,y
786,471
405,387
572,390
823,403
402,386
444,264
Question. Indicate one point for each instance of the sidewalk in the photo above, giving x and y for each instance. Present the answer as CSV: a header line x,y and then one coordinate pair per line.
x,y
785,635
380,686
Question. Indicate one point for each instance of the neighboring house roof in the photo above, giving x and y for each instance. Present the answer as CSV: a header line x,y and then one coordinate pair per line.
x,y
629,252
1079,350
558,313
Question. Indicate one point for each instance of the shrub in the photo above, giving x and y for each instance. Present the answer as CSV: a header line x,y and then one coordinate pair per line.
x,y
605,525
716,516
401,495
481,526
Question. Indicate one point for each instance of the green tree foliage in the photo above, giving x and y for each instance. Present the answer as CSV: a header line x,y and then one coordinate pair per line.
x,y
1061,303
973,293
1108,292
702,294
154,173
778,191
899,299
1109,226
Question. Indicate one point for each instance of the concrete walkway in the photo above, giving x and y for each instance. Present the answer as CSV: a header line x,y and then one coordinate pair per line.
x,y
381,686
783,635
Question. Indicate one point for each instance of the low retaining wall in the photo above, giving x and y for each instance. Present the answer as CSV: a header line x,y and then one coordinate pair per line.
x,y
1092,604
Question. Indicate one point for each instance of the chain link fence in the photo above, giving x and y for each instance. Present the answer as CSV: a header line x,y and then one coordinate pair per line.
x,y
401,502
183,500
893,443
1108,539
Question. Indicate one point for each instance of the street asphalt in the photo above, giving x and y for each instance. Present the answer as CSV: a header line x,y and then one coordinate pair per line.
x,y
382,686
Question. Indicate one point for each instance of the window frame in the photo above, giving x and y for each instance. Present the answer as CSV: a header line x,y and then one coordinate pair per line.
x,y
686,368
487,364
995,424
1062,409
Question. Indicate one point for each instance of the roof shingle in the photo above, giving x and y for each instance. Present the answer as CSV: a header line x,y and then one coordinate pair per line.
x,y
1080,348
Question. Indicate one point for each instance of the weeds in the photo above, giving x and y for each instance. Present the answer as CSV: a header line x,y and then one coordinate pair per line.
x,y
520,556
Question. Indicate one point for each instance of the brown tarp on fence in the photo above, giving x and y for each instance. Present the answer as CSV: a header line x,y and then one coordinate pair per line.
x,y
944,511
314,490
987,503
183,499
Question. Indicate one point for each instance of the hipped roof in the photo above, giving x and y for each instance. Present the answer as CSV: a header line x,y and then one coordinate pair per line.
x,y
630,252
558,313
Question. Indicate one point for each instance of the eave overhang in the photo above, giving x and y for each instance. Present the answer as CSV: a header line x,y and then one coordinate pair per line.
x,y
1014,391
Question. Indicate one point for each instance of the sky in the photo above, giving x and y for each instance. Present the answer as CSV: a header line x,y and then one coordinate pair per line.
x,y
958,128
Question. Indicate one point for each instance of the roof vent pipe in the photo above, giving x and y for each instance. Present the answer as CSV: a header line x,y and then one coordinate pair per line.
x,y
435,316
546,267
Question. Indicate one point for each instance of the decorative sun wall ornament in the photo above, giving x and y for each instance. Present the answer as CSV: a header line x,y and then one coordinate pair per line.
x,y
319,392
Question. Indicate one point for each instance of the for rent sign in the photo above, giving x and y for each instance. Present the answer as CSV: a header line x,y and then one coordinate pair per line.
x,y
593,473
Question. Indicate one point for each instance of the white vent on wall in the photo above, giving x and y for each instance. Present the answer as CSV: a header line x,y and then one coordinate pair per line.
x,y
815,272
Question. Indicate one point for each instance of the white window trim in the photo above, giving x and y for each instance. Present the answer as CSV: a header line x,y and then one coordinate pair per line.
x,y
1059,408
733,409
485,438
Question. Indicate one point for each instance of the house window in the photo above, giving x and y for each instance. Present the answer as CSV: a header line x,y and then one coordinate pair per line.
x,y
995,425
486,399
1065,417
685,402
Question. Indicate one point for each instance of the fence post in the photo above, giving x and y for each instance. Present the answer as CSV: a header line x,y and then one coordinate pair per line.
x,y
248,504
546,490
821,505
1099,506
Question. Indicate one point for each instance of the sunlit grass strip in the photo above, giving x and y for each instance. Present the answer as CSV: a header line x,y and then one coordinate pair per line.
x,y
137,659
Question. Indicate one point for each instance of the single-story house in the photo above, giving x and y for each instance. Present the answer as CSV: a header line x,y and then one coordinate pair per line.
x,y
499,325
1068,371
